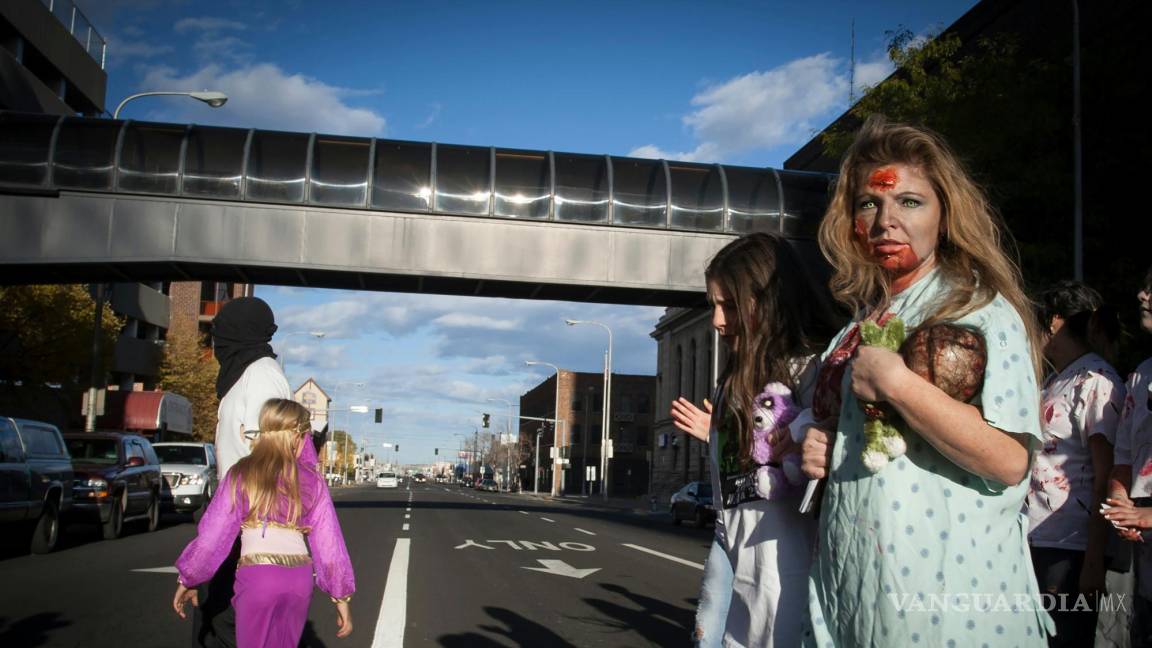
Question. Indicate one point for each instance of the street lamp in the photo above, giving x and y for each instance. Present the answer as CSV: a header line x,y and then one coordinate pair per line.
x,y
210,97
605,435
506,457
555,430
319,335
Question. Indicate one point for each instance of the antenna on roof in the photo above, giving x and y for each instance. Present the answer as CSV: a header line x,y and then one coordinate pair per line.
x,y
852,68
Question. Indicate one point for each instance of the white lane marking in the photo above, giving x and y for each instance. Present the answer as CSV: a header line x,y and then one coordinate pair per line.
x,y
394,606
407,516
547,519
159,570
408,510
665,556
524,512
583,531
405,526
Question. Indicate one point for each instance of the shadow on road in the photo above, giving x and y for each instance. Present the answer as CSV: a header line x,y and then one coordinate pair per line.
x,y
31,631
309,639
75,534
516,628
660,622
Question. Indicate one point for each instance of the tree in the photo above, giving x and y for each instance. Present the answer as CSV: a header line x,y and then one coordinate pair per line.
x,y
343,450
190,370
46,335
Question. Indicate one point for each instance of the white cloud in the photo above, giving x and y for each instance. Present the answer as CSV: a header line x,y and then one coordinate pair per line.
x,y
121,50
264,96
462,320
207,23
767,109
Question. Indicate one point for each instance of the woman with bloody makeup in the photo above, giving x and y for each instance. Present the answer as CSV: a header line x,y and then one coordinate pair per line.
x,y
930,549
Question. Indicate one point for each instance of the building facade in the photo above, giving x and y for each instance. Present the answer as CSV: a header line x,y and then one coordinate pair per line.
x,y
686,366
579,440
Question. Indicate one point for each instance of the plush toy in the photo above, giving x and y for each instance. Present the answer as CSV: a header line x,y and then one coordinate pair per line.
x,y
882,438
774,410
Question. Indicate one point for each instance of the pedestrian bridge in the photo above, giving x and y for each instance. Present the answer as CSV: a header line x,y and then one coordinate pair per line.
x,y
85,200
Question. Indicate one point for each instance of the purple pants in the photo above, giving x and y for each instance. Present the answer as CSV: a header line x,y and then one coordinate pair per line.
x,y
271,604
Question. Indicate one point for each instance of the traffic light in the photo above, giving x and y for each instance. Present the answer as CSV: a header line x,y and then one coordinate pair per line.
x,y
437,450
396,447
485,420
379,414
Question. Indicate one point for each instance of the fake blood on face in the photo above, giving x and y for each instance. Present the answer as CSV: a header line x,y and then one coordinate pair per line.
x,y
883,179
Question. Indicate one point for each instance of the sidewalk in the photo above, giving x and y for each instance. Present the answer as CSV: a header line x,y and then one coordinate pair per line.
x,y
640,505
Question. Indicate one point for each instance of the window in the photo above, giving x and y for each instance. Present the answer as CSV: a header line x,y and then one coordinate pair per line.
x,y
174,454
697,197
10,448
577,405
523,185
214,161
85,148
463,185
24,141
340,171
42,441
401,179
134,450
276,164
753,200
643,404
576,430
642,436
805,200
639,192
581,188
150,157
95,451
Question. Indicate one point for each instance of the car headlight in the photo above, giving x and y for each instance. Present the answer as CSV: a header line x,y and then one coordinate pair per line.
x,y
95,484
192,480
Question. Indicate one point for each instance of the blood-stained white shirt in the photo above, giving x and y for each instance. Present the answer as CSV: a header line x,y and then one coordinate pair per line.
x,y
1083,400
1134,434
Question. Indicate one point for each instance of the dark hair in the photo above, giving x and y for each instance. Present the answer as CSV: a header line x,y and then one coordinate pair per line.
x,y
782,313
1086,317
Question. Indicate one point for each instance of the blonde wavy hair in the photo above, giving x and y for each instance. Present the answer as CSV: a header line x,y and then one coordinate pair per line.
x,y
971,255
269,472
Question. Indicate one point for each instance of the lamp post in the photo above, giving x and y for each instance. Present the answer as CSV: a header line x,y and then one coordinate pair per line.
x,y
605,436
506,457
210,97
555,430
319,335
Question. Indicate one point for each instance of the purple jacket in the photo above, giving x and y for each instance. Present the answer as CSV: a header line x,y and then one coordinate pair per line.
x,y
221,524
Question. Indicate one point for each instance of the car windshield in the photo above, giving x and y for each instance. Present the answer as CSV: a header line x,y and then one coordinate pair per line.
x,y
387,475
181,454
705,490
93,451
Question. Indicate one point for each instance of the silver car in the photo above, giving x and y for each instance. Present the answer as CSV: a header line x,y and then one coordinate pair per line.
x,y
189,472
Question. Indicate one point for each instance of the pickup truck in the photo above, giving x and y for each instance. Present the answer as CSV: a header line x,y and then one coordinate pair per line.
x,y
35,480
117,480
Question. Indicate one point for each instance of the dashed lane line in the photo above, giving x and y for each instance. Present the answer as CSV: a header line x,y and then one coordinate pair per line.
x,y
525,512
665,556
583,531
407,516
405,527
547,519
394,606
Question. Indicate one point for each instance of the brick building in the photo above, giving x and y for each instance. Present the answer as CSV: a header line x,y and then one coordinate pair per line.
x,y
195,303
581,408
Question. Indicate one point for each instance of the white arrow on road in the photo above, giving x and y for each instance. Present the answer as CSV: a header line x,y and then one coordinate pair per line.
x,y
561,568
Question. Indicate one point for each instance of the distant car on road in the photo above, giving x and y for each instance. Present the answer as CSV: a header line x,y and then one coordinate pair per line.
x,y
190,470
387,480
118,480
465,482
693,502
35,481
489,485
419,478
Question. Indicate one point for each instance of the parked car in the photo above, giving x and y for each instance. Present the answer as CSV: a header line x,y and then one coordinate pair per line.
x,y
118,480
387,480
190,472
489,485
35,480
693,502
465,482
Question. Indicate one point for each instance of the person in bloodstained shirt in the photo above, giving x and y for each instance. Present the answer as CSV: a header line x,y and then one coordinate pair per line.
x,y
1131,485
1080,406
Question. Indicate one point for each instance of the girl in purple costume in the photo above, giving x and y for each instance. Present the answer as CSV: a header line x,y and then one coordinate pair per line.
x,y
273,499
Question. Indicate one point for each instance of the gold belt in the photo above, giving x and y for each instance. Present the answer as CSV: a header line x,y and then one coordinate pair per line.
x,y
281,560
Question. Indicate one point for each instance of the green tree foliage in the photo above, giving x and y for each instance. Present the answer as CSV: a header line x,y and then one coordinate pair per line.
x,y
343,451
46,335
190,369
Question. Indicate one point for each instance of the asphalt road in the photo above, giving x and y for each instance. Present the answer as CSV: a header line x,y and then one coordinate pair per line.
x,y
436,565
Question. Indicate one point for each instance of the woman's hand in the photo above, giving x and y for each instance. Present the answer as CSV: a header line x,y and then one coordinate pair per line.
x,y
1125,514
184,595
876,373
815,453
343,619
691,419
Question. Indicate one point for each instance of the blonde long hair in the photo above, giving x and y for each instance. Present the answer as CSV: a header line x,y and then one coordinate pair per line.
x,y
269,472
971,254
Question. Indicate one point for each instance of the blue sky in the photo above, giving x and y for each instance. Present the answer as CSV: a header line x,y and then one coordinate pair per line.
x,y
741,82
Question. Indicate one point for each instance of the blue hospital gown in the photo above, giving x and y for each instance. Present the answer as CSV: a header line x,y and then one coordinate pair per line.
x,y
924,552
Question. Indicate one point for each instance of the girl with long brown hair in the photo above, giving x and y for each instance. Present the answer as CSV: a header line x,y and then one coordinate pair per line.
x,y
279,505
772,317
930,548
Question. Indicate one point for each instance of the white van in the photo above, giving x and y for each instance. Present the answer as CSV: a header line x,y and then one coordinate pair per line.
x,y
387,480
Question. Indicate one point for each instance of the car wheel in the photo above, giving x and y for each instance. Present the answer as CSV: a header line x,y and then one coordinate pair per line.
x,y
675,519
115,524
698,520
153,514
47,530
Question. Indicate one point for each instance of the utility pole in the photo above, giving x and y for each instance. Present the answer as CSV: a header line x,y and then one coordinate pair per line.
x,y
476,446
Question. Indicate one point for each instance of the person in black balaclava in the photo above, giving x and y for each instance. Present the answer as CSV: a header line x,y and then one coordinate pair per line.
x,y
249,376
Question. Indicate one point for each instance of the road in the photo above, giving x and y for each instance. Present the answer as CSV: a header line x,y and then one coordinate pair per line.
x,y
436,565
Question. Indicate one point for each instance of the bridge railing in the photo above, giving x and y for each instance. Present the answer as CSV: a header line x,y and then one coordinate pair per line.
x,y
235,164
